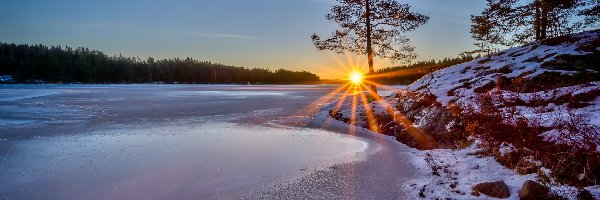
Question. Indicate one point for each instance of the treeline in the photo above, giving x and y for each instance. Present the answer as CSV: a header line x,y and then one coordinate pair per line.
x,y
55,64
408,74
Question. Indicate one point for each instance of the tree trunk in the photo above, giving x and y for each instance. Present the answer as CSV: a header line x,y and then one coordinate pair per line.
x,y
537,20
544,20
149,72
369,42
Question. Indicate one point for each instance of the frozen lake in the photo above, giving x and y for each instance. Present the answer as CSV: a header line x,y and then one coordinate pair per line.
x,y
176,142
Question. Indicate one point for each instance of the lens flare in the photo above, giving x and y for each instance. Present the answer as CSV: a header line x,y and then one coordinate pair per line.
x,y
356,77
356,93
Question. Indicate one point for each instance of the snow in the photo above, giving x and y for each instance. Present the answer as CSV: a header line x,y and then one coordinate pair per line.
x,y
459,171
456,85
389,90
378,108
505,149
484,70
450,125
595,190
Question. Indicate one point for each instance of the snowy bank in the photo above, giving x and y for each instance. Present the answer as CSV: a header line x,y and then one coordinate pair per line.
x,y
531,113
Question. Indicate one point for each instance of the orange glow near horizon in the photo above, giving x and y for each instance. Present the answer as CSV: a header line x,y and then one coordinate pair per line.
x,y
356,98
356,93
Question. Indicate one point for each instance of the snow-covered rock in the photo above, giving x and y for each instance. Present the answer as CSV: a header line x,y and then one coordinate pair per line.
x,y
553,84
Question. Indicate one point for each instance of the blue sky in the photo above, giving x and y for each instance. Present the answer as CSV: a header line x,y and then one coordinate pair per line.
x,y
252,33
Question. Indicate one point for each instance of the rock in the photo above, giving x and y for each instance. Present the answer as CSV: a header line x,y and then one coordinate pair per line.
x,y
485,88
496,189
534,190
422,192
585,195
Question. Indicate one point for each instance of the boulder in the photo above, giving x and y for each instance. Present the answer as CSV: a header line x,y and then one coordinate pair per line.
x,y
585,195
496,189
534,190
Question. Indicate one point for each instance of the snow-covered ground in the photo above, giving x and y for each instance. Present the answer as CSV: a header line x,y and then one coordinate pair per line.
x,y
458,85
523,61
551,85
390,90
457,171
460,170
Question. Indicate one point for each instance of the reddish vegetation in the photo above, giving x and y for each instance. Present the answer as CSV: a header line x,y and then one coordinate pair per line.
x,y
567,161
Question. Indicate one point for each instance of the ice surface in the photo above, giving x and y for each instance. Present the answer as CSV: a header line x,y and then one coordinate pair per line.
x,y
167,161
159,141
227,93
18,94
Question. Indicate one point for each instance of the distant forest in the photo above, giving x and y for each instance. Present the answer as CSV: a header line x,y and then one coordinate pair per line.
x,y
55,64
408,74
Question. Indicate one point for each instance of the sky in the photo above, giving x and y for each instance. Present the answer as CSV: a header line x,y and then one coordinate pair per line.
x,y
252,33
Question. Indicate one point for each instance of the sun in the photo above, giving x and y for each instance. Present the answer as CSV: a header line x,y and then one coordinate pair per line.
x,y
356,77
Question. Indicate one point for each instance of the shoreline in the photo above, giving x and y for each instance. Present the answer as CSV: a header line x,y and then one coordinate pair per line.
x,y
387,167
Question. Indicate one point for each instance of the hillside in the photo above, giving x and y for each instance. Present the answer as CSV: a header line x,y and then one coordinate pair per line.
x,y
535,109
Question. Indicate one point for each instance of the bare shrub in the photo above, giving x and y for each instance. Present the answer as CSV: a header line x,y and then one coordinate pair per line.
x,y
496,121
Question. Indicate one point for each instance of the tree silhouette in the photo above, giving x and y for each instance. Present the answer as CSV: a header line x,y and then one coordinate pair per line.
x,y
513,22
372,28
34,63
412,72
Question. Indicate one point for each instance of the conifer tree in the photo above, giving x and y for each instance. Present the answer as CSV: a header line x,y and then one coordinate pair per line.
x,y
372,28
516,22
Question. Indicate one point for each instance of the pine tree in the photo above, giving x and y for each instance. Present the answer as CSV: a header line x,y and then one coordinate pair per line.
x,y
372,28
514,22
